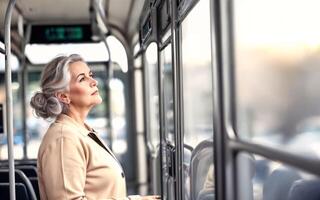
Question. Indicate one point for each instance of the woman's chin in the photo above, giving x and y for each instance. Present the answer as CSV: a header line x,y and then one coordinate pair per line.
x,y
98,100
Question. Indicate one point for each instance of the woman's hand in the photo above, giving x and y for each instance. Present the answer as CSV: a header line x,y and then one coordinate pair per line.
x,y
150,197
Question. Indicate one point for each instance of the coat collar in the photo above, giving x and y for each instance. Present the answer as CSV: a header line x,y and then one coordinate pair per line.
x,y
65,119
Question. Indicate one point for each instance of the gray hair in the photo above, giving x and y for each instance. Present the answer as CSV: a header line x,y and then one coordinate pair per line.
x,y
54,78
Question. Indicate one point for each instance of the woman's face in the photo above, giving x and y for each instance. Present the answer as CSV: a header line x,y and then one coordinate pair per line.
x,y
83,91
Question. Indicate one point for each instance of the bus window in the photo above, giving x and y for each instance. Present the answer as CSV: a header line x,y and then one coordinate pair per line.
x,y
197,93
118,113
197,79
36,126
91,52
168,132
141,147
167,76
118,53
152,112
277,73
139,94
153,132
17,110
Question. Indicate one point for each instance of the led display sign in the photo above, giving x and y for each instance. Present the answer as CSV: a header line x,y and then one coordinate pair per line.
x,y
46,34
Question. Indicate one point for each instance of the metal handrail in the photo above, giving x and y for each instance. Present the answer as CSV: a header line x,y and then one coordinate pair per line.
x,y
306,164
9,121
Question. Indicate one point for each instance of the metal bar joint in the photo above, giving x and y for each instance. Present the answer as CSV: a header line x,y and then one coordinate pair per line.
x,y
3,51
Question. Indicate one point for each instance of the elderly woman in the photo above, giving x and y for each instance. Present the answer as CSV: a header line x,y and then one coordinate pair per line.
x,y
73,162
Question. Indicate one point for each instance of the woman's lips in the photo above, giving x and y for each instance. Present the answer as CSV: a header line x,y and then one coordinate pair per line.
x,y
95,93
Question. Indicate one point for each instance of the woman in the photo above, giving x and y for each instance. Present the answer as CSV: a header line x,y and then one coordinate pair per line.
x,y
73,163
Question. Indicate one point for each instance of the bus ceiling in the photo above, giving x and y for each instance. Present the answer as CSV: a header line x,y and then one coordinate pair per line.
x,y
72,18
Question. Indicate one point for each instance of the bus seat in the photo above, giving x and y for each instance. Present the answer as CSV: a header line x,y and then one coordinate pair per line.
x,y
21,191
28,170
201,170
20,178
305,189
34,182
278,183
28,162
31,172
206,194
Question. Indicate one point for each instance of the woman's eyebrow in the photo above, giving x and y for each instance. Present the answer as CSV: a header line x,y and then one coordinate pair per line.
x,y
80,75
83,74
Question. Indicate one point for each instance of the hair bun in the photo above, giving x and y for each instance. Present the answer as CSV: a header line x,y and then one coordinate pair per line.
x,y
53,106
45,107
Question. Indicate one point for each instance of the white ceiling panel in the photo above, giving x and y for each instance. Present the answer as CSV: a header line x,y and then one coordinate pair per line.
x,y
118,11
57,10
123,14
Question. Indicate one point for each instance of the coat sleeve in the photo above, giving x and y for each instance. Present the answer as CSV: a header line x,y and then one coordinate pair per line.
x,y
64,169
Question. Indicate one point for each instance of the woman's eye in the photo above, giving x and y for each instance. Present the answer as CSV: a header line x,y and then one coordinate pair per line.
x,y
82,79
91,75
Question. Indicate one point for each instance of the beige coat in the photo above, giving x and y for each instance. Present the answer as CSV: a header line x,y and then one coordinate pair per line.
x,y
72,165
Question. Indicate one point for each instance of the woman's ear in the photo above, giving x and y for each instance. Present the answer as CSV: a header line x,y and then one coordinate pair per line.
x,y
63,97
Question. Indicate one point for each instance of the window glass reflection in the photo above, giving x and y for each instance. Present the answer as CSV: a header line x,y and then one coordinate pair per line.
x,y
168,139
198,167
277,72
118,116
18,136
167,76
152,89
197,78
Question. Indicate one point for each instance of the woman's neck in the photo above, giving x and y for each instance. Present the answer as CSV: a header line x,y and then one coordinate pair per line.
x,y
79,117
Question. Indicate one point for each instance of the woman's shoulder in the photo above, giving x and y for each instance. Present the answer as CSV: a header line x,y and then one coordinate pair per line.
x,y
60,129
58,132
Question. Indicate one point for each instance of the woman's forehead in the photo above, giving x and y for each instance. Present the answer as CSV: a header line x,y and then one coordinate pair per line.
x,y
79,67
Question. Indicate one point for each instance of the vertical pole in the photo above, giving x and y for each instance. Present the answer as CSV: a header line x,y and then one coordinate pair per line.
x,y
177,100
9,127
216,63
23,87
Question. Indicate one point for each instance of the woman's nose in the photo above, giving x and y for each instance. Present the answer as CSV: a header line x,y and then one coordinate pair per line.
x,y
94,82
